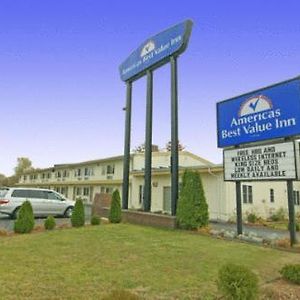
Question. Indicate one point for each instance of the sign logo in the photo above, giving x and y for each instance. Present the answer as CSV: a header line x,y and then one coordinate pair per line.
x,y
150,46
254,105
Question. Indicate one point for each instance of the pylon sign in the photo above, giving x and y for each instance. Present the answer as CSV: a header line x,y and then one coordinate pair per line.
x,y
156,51
268,113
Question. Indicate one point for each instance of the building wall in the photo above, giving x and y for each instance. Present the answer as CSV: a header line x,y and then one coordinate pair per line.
x,y
163,159
220,195
262,205
213,187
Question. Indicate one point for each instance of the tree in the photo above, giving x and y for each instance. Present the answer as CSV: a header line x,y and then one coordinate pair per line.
x,y
24,164
139,149
115,213
2,180
169,146
192,211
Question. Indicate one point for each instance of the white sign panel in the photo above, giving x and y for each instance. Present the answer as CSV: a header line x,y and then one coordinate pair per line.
x,y
267,162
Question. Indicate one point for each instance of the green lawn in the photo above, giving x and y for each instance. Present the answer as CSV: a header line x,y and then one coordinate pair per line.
x,y
86,263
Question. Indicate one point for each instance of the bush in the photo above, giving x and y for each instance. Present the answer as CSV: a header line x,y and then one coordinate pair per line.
x,y
297,227
279,215
192,211
25,219
237,282
115,213
95,220
291,273
77,218
50,223
252,218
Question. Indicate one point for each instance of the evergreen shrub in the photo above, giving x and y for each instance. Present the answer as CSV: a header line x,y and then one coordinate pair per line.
x,y
77,218
50,223
95,220
291,273
192,210
115,213
237,282
25,219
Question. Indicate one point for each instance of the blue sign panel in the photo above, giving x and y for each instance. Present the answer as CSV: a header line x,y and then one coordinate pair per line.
x,y
156,51
268,113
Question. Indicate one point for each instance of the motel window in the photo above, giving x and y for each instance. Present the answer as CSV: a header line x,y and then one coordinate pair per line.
x,y
247,194
78,172
272,198
78,191
86,191
110,169
296,197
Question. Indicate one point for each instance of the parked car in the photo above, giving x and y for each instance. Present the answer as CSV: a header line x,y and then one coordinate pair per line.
x,y
44,202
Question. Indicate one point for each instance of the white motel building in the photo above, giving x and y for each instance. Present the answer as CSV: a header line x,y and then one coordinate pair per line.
x,y
85,179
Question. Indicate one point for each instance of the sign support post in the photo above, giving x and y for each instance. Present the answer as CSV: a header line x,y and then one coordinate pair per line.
x,y
126,161
292,224
239,219
174,136
148,142
156,51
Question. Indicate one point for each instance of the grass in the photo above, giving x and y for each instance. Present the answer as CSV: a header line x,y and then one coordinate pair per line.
x,y
87,263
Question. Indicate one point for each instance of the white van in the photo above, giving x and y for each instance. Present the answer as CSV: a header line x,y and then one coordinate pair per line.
x,y
44,202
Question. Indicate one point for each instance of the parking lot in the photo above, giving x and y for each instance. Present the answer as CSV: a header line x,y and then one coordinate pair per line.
x,y
6,223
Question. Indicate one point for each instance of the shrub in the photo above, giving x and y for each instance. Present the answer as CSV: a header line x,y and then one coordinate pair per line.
x,y
237,282
50,223
115,213
95,220
291,273
252,218
192,211
77,218
25,219
279,215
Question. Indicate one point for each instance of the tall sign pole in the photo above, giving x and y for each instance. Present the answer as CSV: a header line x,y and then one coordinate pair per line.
x,y
148,142
291,207
239,220
156,51
126,161
174,136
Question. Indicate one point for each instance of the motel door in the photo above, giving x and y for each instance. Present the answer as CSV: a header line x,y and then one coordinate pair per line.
x,y
167,199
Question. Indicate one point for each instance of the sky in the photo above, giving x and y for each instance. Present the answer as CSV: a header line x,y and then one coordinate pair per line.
x,y
60,91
